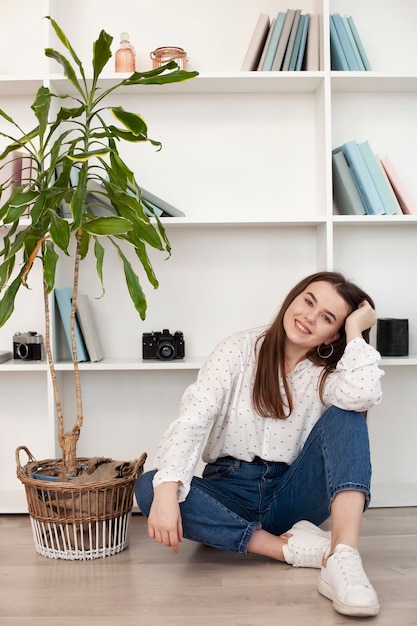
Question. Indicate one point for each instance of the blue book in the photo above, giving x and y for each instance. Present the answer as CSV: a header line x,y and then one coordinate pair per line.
x,y
359,43
273,42
338,58
345,42
346,196
63,299
301,53
297,44
353,43
291,41
378,178
364,182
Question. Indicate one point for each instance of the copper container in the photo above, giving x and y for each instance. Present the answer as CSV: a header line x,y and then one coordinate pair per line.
x,y
163,55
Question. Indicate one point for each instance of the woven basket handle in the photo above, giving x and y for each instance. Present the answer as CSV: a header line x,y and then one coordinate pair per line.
x,y
139,463
31,458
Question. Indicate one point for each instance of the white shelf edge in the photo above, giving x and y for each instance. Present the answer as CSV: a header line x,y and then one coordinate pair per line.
x,y
373,220
399,360
133,364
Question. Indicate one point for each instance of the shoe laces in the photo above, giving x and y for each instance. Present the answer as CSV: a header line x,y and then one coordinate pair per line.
x,y
350,563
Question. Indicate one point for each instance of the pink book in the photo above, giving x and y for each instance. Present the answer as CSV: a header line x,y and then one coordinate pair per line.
x,y
407,205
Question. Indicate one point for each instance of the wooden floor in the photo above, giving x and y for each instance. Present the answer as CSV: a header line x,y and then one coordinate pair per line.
x,y
147,585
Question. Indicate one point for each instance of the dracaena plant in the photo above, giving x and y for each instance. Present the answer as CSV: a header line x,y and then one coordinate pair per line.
x,y
70,131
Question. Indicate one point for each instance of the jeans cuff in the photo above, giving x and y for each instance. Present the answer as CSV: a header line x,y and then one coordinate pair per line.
x,y
243,546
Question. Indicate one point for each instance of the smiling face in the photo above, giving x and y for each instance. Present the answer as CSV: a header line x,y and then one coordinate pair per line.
x,y
314,317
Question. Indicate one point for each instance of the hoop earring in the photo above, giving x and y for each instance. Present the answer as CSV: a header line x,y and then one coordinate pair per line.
x,y
325,356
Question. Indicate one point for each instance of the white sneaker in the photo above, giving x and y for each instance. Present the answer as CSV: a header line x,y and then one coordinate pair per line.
x,y
344,581
307,545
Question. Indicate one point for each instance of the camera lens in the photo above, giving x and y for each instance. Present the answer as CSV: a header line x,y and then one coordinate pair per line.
x,y
166,351
22,351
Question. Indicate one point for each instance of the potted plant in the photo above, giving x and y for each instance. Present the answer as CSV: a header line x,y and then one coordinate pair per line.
x,y
78,135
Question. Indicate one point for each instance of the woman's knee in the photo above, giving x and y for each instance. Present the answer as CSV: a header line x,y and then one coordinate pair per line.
x,y
144,491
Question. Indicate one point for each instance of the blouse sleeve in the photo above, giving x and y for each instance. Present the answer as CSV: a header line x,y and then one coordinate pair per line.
x,y
181,445
355,385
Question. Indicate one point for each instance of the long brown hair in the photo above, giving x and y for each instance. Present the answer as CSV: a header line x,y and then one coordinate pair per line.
x,y
267,398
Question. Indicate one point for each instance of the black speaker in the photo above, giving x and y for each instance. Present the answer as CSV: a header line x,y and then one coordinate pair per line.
x,y
392,337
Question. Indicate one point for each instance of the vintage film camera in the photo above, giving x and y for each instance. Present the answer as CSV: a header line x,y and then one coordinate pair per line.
x,y
163,345
28,346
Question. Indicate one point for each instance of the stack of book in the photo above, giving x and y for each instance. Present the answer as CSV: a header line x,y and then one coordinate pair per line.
x,y
288,42
15,172
154,206
363,184
86,336
346,48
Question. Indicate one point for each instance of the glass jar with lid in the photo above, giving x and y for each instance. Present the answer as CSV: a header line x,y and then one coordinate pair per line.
x,y
163,55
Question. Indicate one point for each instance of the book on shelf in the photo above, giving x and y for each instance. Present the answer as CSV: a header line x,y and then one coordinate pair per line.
x,y
5,355
312,54
346,49
88,328
303,28
63,298
362,177
359,43
272,41
101,205
291,41
257,43
345,193
283,40
408,207
353,44
287,43
337,54
10,176
345,42
390,205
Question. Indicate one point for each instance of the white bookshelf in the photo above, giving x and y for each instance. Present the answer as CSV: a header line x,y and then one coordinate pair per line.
x,y
247,157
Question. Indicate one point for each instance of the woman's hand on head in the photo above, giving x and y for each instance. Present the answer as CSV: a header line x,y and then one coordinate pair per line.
x,y
360,319
164,521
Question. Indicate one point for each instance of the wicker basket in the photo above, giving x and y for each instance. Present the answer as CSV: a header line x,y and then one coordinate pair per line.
x,y
77,521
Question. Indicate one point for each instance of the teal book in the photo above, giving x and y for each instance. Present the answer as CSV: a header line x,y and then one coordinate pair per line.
x,y
359,44
292,42
273,42
379,179
363,179
353,43
337,55
303,42
63,299
345,42
346,196
283,40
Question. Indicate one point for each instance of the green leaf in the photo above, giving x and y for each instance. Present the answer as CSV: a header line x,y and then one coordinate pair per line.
x,y
59,231
64,40
68,69
107,226
6,270
99,254
101,53
133,121
133,286
41,107
84,244
144,259
7,302
81,157
50,260
160,76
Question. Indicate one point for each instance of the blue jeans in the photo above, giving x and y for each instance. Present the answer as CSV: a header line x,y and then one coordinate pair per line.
x,y
234,498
